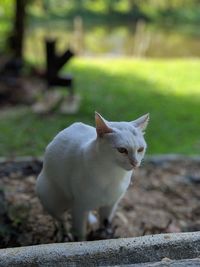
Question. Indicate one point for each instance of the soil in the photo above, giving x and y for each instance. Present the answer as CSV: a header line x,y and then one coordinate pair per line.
x,y
162,198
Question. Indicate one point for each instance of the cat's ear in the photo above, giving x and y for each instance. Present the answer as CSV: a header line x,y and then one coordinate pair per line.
x,y
141,122
101,126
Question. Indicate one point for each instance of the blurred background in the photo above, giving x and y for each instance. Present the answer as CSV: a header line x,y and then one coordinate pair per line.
x,y
62,60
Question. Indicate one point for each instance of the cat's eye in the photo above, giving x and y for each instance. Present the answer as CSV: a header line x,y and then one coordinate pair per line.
x,y
141,149
122,150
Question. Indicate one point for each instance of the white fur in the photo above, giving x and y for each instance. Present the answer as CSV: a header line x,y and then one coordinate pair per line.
x,y
83,170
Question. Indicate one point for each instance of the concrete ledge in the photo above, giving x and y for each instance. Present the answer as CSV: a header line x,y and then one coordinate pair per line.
x,y
171,158
158,157
169,263
124,251
20,159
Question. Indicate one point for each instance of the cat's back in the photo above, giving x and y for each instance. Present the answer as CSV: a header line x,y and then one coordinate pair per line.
x,y
78,132
72,137
65,150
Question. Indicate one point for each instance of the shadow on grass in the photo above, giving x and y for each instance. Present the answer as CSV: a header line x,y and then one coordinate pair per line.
x,y
174,126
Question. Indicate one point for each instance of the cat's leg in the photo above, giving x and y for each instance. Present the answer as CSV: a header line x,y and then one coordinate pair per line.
x,y
60,230
52,199
106,214
79,221
55,203
92,219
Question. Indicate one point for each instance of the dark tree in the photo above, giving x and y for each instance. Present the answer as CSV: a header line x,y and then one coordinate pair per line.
x,y
17,37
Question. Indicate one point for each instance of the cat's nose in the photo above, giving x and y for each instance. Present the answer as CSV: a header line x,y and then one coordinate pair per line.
x,y
134,163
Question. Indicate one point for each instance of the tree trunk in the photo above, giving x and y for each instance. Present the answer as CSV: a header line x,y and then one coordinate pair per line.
x,y
18,29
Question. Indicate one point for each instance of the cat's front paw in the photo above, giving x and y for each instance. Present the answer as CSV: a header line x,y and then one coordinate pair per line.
x,y
106,231
107,224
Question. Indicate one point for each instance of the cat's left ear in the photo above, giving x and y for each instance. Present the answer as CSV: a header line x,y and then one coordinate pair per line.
x,y
101,126
141,122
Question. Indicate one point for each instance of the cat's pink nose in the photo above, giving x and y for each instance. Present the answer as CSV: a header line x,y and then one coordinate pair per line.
x,y
134,163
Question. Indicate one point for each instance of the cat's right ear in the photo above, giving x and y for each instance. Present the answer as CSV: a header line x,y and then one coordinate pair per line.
x,y
141,122
101,126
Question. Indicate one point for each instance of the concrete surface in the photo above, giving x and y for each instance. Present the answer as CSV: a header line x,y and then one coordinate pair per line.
x,y
156,158
123,251
168,263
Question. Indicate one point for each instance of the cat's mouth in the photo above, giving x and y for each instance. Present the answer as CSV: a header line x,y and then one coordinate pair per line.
x,y
134,165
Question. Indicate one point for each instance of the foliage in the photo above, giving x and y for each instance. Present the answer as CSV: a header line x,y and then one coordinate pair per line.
x,y
133,9
101,12
119,10
120,89
6,13
6,8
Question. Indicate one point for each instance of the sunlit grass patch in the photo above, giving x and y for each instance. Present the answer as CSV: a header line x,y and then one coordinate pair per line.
x,y
121,89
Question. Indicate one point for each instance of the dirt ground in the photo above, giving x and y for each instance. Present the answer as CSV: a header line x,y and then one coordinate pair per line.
x,y
163,197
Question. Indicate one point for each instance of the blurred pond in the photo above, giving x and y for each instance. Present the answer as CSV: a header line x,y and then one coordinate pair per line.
x,y
141,40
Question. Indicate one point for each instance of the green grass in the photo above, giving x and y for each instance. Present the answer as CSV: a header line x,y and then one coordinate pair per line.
x,y
120,89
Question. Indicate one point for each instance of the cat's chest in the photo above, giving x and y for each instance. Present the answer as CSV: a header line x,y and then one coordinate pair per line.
x,y
107,188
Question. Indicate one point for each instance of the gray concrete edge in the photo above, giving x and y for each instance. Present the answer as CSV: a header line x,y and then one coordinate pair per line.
x,y
148,158
111,252
167,263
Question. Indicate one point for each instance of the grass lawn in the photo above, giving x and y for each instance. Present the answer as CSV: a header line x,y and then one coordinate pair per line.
x,y
120,89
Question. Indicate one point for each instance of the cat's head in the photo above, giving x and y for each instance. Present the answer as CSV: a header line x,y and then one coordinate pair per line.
x,y
122,141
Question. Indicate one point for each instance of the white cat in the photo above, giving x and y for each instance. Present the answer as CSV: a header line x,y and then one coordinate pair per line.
x,y
86,169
